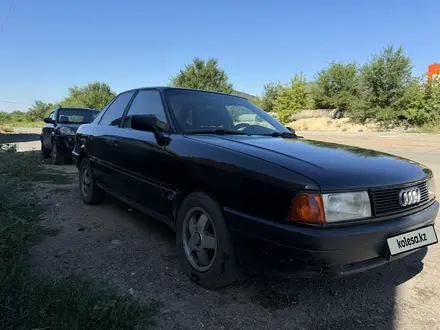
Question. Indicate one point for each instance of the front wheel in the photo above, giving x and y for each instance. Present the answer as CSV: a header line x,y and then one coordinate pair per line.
x,y
57,158
44,152
207,252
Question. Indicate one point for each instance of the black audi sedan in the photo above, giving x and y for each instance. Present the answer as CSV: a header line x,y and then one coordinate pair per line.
x,y
246,194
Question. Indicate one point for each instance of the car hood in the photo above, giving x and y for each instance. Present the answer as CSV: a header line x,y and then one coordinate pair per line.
x,y
332,166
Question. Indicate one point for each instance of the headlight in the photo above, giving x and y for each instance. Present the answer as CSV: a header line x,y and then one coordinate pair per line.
x,y
66,131
330,208
346,206
431,189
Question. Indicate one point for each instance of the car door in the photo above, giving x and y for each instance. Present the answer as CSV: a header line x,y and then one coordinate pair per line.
x,y
100,144
47,132
143,162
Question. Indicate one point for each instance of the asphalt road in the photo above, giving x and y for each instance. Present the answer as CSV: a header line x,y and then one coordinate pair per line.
x,y
114,244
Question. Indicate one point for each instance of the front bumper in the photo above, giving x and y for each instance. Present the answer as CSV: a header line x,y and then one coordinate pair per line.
x,y
319,252
65,144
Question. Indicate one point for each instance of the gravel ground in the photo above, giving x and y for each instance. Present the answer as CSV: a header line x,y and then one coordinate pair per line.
x,y
114,244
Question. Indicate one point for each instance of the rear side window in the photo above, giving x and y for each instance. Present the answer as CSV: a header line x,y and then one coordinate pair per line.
x,y
114,112
148,102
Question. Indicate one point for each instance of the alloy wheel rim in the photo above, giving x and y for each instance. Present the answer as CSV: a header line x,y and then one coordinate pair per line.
x,y
199,239
85,181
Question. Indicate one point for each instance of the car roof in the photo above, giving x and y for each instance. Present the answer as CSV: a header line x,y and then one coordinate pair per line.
x,y
163,88
76,108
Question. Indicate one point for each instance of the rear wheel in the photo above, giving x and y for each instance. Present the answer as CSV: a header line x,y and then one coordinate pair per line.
x,y
57,159
90,192
207,252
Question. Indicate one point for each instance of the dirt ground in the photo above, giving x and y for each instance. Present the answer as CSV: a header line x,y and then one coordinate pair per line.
x,y
118,246
323,124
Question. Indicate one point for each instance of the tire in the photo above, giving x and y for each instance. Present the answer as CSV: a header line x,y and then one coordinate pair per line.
x,y
57,159
223,267
91,194
44,152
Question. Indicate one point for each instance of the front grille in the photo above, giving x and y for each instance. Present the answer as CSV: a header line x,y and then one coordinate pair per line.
x,y
386,201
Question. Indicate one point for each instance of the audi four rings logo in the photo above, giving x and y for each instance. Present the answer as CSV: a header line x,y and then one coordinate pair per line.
x,y
409,196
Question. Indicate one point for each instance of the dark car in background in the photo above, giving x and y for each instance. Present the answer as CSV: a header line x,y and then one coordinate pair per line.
x,y
245,194
58,134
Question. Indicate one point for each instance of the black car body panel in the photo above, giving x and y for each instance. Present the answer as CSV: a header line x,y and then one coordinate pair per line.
x,y
255,179
333,167
328,252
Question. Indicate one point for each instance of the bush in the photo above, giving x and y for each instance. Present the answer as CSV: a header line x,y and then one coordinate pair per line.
x,y
203,75
270,94
336,86
5,129
39,111
385,77
292,98
95,95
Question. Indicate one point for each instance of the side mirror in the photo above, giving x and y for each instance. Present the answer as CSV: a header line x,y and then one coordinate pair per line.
x,y
291,130
48,120
150,123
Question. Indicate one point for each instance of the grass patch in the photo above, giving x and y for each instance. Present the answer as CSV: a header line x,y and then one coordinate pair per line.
x,y
27,302
26,166
429,128
30,124
53,177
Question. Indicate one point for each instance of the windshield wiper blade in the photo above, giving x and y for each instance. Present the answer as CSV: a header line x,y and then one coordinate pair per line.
x,y
218,131
286,135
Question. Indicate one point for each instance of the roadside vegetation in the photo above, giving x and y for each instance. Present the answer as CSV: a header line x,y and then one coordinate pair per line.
x,y
94,95
31,302
381,92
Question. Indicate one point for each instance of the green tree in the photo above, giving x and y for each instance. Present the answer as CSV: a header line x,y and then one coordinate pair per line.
x,y
336,86
385,77
270,94
203,75
95,95
39,111
292,98
5,117
257,101
433,95
383,84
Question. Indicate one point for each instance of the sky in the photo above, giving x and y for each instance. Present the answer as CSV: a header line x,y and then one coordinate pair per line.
x,y
47,46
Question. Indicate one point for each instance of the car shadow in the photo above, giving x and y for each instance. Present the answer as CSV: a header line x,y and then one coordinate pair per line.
x,y
366,300
17,137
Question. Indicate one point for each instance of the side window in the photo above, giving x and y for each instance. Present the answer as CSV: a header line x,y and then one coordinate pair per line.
x,y
147,102
114,112
101,113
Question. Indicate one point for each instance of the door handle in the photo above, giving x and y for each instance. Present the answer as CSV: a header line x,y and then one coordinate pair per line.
x,y
116,143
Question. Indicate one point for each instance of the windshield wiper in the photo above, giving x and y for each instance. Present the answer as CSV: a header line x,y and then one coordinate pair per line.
x,y
286,135
218,131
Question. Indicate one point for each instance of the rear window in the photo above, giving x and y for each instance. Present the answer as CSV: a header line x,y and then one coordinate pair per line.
x,y
76,116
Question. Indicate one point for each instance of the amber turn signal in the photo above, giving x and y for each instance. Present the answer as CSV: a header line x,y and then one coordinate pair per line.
x,y
308,208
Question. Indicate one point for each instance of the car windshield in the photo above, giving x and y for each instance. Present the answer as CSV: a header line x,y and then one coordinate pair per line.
x,y
199,112
76,116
